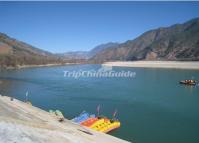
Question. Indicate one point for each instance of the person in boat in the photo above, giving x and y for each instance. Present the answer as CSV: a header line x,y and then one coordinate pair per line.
x,y
189,82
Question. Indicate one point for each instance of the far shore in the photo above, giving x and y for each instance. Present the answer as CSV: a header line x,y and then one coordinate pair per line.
x,y
156,64
43,65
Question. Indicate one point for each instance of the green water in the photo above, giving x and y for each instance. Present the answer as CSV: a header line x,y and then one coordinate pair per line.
x,y
152,107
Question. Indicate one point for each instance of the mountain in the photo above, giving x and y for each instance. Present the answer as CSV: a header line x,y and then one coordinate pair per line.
x,y
87,54
100,48
74,55
14,53
177,42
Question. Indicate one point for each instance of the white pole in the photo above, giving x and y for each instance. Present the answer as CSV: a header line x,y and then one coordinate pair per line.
x,y
26,96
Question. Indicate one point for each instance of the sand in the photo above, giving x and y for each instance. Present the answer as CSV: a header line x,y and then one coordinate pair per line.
x,y
156,64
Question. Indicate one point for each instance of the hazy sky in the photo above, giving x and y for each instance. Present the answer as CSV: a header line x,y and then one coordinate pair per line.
x,y
73,26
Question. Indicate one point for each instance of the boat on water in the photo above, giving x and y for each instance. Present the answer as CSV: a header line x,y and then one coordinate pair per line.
x,y
105,125
89,121
98,123
188,82
83,117
101,124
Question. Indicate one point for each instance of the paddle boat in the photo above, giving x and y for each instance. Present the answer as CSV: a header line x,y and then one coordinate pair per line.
x,y
188,82
99,123
89,121
105,125
83,117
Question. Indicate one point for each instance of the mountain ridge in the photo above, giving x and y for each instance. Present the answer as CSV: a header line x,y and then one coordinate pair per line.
x,y
165,43
178,42
87,54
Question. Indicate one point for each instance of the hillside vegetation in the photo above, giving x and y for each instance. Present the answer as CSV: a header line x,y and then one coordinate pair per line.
x,y
15,53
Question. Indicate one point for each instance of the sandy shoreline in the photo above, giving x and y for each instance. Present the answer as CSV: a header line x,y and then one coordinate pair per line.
x,y
156,64
34,66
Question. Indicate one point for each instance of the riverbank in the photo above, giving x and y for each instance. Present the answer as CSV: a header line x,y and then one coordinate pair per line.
x,y
156,64
21,122
34,66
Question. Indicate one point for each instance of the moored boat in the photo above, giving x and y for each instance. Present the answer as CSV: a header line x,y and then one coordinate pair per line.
x,y
83,117
89,122
105,125
99,123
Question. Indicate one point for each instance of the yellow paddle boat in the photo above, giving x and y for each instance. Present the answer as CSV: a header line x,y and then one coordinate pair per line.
x,y
105,125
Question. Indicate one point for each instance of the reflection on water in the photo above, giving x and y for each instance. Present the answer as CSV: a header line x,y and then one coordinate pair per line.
x,y
190,88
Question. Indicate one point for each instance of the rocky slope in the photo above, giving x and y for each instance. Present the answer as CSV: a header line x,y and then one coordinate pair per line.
x,y
177,42
23,123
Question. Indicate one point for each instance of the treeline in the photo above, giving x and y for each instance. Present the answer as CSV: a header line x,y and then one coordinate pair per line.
x,y
15,61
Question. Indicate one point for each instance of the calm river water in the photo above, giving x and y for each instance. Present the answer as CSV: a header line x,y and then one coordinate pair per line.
x,y
152,106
